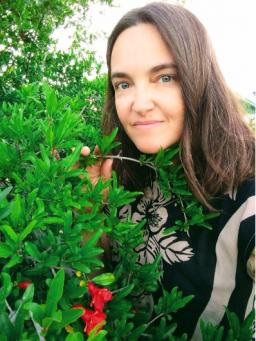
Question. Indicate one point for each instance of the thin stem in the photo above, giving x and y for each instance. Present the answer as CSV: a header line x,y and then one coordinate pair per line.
x,y
183,209
120,289
118,157
154,319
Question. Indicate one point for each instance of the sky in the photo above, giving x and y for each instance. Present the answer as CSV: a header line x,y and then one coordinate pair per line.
x,y
230,25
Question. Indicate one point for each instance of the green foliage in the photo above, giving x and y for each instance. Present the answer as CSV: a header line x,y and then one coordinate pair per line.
x,y
239,331
28,52
43,222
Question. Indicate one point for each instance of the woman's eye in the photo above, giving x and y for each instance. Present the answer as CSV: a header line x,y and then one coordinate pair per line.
x,y
121,86
166,78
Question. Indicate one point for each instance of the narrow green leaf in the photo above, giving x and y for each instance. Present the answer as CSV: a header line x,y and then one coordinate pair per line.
x,y
5,192
7,327
32,250
73,157
94,238
27,230
55,292
51,99
104,279
5,211
16,215
7,285
52,220
70,316
16,259
29,293
9,232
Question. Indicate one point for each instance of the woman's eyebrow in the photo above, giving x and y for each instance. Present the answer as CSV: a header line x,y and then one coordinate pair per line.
x,y
163,66
152,70
119,75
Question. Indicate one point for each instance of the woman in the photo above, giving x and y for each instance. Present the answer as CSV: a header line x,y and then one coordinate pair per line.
x,y
165,88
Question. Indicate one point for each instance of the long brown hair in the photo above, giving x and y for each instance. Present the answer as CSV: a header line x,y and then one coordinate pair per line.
x,y
216,146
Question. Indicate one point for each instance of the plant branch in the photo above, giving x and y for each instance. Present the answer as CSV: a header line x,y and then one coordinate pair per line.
x,y
154,319
118,157
183,209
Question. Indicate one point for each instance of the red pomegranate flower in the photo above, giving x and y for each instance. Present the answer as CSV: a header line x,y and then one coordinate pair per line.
x,y
99,296
94,317
91,318
24,284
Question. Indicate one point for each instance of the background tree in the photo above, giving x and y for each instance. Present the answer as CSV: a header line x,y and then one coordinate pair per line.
x,y
28,52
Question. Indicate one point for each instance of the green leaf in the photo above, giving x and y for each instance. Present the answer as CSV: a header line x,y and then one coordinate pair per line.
x,y
27,230
247,327
5,192
181,191
21,314
94,238
16,215
37,310
56,317
5,251
136,333
172,301
68,316
7,327
51,99
52,220
104,279
75,337
55,292
81,267
7,286
29,293
73,157
211,215
32,197
5,211
32,250
124,292
16,259
107,143
96,335
210,332
9,232
234,323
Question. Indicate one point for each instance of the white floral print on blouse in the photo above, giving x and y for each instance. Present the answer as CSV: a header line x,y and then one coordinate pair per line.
x,y
152,207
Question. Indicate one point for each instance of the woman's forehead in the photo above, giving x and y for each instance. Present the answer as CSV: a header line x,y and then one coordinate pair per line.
x,y
140,45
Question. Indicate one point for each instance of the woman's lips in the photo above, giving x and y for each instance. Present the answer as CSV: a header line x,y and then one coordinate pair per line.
x,y
146,124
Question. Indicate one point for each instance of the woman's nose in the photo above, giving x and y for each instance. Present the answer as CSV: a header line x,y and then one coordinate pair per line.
x,y
142,100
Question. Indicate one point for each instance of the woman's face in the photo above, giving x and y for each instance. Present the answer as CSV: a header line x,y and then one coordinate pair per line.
x,y
148,95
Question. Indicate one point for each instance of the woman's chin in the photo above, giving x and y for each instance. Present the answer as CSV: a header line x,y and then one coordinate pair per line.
x,y
149,149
